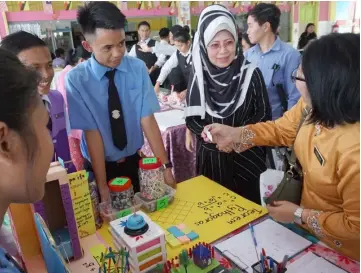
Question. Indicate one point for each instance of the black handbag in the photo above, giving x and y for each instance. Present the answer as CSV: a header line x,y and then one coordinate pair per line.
x,y
290,188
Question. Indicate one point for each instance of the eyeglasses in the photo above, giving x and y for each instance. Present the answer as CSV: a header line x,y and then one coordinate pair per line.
x,y
295,78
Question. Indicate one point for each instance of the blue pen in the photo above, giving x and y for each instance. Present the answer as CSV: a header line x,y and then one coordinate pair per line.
x,y
275,268
271,264
262,264
254,240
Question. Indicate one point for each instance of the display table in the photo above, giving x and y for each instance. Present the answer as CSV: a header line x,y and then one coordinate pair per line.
x,y
210,210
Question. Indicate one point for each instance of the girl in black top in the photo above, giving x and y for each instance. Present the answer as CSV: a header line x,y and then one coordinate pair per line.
x,y
308,35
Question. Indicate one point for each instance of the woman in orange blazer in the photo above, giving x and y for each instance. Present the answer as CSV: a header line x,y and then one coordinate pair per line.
x,y
327,145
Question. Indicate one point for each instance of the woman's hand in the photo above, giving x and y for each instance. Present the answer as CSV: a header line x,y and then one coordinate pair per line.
x,y
222,135
283,211
181,96
189,141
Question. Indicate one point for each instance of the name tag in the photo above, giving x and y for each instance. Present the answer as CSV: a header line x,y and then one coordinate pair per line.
x,y
319,156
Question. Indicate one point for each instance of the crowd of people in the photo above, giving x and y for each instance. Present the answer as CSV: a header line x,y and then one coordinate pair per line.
x,y
247,90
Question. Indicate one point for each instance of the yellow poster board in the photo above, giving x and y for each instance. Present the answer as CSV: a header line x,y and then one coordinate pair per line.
x,y
205,207
82,204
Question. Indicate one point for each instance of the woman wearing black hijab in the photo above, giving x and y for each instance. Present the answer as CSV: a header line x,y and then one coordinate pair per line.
x,y
225,88
308,35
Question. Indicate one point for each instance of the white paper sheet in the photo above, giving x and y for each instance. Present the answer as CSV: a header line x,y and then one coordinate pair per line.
x,y
277,241
312,263
169,119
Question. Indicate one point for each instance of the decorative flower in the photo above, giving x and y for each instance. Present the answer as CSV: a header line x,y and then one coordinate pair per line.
x,y
345,260
123,223
137,238
311,248
270,187
225,263
267,194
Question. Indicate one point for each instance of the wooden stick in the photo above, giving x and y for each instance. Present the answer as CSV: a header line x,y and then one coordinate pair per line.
x,y
103,260
117,264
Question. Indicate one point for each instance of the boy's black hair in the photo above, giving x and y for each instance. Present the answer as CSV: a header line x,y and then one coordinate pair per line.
x,y
100,14
144,23
264,12
181,36
164,33
59,52
20,41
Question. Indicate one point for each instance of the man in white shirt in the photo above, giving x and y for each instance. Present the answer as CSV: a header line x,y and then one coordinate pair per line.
x,y
148,57
164,40
180,59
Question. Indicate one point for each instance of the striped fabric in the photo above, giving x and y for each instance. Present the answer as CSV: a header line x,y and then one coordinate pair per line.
x,y
237,172
3,6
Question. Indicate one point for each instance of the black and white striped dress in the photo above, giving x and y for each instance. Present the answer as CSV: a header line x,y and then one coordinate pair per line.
x,y
237,172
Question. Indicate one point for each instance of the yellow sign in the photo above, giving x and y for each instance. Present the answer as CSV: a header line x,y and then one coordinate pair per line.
x,y
207,208
82,204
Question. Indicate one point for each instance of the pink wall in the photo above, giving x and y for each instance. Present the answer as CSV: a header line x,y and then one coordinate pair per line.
x,y
296,10
28,16
324,11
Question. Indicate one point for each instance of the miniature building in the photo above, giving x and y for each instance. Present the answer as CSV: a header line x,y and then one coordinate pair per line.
x,y
202,256
146,250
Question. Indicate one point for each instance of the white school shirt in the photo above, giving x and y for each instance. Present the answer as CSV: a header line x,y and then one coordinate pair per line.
x,y
170,64
162,58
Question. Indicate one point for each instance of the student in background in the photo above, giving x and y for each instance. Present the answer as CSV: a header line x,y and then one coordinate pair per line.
x,y
308,35
275,58
74,57
149,58
111,99
225,88
165,49
164,40
34,53
246,43
180,59
59,61
25,145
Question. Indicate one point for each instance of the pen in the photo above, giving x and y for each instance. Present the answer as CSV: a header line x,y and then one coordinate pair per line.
x,y
271,265
284,262
254,240
275,268
265,256
262,263
14,262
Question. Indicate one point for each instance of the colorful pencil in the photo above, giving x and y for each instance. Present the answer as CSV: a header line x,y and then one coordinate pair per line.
x,y
265,259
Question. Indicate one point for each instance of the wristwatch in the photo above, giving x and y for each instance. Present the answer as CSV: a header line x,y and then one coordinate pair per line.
x,y
168,165
298,216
